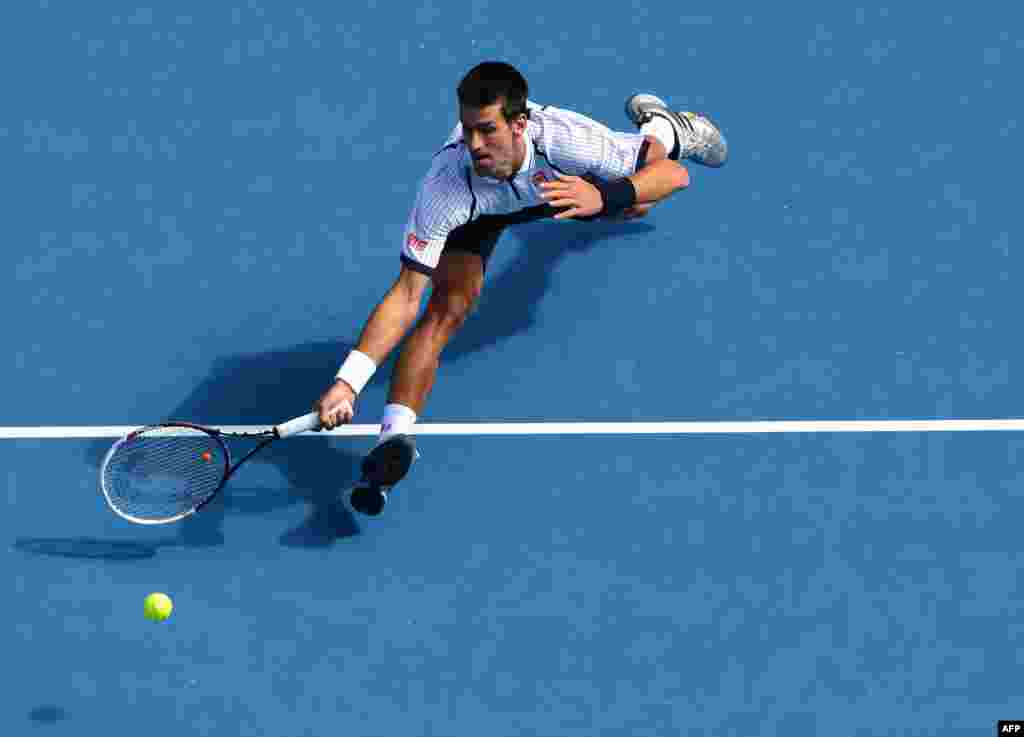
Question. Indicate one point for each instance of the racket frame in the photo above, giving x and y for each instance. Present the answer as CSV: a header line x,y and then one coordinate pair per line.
x,y
266,436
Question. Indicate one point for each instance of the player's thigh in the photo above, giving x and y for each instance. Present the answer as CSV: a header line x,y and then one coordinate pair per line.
x,y
458,281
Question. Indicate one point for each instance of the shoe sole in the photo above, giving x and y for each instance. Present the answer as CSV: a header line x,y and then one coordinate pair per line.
x,y
637,99
388,463
368,500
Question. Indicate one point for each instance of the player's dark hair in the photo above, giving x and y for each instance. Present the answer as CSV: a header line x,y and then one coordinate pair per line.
x,y
490,81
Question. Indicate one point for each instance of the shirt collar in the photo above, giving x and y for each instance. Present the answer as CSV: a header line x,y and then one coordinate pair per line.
x,y
529,157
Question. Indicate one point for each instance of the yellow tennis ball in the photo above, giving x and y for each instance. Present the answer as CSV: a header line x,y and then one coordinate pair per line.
x,y
157,607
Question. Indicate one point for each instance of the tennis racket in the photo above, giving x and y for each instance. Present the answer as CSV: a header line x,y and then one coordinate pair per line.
x,y
163,473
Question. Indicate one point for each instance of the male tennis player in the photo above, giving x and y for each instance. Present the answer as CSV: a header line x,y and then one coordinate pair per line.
x,y
508,161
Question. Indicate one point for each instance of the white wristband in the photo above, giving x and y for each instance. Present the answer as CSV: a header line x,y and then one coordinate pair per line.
x,y
357,370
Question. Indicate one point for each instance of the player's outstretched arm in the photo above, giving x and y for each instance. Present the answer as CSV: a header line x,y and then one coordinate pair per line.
x,y
658,180
655,183
393,316
629,196
384,329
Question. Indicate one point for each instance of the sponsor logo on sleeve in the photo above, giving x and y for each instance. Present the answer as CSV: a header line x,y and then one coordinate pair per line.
x,y
415,242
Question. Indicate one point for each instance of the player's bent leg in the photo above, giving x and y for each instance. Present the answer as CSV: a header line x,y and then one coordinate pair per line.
x,y
656,151
458,281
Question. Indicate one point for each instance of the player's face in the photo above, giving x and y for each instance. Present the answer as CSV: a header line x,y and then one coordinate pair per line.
x,y
495,143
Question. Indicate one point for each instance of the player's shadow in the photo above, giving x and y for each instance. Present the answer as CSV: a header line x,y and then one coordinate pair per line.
x,y
262,388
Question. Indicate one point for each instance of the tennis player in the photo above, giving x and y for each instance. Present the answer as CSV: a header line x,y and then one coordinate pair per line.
x,y
507,161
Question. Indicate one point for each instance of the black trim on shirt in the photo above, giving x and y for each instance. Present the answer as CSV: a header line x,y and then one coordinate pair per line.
x,y
545,157
417,266
450,145
472,206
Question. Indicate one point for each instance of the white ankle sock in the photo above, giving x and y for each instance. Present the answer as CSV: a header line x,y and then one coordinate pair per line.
x,y
661,129
397,420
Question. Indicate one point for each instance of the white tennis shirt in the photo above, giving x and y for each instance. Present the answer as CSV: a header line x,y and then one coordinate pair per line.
x,y
452,194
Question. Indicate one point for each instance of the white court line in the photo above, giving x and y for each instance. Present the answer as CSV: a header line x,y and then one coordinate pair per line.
x,y
578,428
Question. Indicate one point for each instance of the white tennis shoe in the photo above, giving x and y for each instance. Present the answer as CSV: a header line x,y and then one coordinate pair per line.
x,y
700,139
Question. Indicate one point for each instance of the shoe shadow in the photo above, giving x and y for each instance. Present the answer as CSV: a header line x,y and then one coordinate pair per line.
x,y
316,470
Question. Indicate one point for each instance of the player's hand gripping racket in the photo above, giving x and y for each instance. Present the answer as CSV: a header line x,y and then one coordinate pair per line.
x,y
163,473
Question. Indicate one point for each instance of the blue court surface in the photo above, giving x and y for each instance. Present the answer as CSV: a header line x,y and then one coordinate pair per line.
x,y
203,202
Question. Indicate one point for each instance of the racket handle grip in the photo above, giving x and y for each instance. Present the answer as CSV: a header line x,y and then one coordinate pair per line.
x,y
299,424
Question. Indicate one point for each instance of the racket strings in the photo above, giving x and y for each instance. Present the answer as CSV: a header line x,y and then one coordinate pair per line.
x,y
163,473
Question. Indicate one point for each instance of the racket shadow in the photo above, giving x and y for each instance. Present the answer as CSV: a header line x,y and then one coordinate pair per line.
x,y
86,548
262,388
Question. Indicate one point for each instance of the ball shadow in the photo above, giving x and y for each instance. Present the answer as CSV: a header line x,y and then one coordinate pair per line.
x,y
48,714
